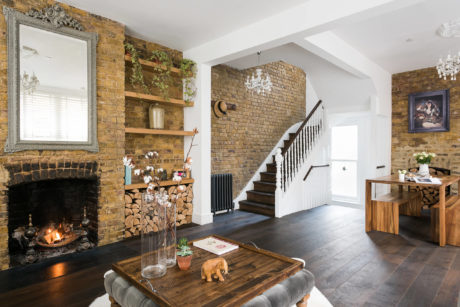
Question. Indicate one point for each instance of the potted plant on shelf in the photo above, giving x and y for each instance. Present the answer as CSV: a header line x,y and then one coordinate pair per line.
x,y
162,78
188,73
137,75
184,254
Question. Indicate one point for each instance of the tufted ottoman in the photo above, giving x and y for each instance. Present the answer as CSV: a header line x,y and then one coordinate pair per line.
x,y
294,290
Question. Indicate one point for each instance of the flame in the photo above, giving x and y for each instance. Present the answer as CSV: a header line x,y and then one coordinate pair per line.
x,y
52,236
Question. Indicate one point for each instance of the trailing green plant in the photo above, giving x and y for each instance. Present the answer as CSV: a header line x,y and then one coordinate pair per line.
x,y
137,75
183,250
162,78
188,73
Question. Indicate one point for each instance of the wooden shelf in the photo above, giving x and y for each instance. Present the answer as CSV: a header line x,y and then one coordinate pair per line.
x,y
162,184
158,131
147,97
153,64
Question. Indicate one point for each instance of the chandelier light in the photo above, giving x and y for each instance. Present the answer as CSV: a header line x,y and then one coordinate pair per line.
x,y
449,67
258,84
29,84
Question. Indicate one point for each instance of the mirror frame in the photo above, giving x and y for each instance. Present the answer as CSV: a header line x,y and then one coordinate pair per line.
x,y
60,26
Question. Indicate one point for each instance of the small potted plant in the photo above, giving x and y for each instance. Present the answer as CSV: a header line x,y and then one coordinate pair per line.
x,y
184,255
424,160
402,174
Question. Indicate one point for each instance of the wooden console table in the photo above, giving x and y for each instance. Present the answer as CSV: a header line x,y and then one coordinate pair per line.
x,y
445,182
251,272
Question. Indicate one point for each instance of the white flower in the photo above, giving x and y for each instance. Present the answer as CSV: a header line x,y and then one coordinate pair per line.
x,y
160,170
137,172
177,178
149,168
128,162
147,179
181,188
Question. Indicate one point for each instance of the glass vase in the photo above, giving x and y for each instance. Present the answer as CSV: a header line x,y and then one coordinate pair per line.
x,y
170,232
153,216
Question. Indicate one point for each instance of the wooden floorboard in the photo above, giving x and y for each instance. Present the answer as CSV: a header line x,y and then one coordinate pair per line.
x,y
352,267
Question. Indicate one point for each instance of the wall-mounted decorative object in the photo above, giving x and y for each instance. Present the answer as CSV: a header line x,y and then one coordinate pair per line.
x,y
429,111
188,73
156,116
51,82
220,107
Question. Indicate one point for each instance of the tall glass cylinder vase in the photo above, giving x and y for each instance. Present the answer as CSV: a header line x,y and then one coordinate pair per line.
x,y
153,260
170,244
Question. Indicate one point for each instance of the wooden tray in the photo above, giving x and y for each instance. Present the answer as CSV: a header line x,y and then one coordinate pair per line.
x,y
251,272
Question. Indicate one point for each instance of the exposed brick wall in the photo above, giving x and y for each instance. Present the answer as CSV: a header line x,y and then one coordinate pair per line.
x,y
170,148
404,144
242,140
111,120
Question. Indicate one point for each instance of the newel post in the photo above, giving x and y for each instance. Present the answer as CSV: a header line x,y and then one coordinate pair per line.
x,y
278,192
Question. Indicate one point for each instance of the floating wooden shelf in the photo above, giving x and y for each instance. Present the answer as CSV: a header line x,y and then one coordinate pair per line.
x,y
176,102
162,184
153,64
158,131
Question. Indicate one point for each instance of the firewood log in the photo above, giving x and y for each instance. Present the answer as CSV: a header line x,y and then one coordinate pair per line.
x,y
129,221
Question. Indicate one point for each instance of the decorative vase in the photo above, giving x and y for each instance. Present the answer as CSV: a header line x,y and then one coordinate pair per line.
x,y
184,263
423,170
170,233
153,216
156,117
127,175
402,177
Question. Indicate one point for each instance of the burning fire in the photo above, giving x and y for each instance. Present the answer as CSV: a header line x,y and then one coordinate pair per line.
x,y
52,236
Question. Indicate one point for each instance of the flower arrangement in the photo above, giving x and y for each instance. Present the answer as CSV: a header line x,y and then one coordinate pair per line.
x,y
424,157
402,171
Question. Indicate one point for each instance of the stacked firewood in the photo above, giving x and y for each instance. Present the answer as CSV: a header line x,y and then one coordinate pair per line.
x,y
133,202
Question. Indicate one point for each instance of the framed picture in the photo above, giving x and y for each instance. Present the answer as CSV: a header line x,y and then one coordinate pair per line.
x,y
429,111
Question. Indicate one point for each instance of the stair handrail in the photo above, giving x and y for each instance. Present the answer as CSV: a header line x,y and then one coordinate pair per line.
x,y
284,150
311,168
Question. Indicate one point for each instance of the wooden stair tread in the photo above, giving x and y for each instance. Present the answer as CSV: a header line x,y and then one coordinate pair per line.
x,y
261,193
396,197
265,182
256,207
268,173
451,201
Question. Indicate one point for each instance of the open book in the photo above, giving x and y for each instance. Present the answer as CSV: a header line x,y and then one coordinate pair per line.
x,y
215,246
427,180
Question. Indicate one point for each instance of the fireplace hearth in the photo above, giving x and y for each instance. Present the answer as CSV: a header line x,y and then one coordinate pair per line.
x,y
48,218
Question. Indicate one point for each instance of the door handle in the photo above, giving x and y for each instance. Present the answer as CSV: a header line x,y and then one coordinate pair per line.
x,y
344,168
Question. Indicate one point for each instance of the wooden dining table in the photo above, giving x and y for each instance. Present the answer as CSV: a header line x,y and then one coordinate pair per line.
x,y
394,180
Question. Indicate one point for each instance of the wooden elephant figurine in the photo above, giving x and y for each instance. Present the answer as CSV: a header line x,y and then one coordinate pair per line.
x,y
213,267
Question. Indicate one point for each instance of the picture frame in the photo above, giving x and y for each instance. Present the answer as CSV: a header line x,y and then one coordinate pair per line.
x,y
429,111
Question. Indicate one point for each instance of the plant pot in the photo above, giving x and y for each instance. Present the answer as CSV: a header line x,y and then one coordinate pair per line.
x,y
402,177
423,170
184,262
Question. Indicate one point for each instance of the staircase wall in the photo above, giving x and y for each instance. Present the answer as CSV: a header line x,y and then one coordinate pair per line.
x,y
241,140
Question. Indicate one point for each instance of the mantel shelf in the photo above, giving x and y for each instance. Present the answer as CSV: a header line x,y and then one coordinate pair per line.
x,y
147,97
164,183
158,131
153,64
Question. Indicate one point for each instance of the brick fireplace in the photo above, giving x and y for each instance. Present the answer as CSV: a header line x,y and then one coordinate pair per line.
x,y
54,195
40,166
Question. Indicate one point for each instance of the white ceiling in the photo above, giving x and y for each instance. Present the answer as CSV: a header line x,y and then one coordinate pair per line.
x,y
338,89
383,38
183,24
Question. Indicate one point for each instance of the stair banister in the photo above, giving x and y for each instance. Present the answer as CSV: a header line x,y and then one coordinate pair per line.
x,y
290,159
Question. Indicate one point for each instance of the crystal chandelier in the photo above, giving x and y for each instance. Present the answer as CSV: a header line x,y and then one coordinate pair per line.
x,y
258,84
29,84
449,67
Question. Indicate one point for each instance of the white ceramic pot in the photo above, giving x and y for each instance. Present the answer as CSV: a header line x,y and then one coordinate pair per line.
x,y
423,170
402,177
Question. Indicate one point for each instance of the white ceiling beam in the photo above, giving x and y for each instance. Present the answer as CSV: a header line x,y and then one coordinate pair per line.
x,y
332,48
312,17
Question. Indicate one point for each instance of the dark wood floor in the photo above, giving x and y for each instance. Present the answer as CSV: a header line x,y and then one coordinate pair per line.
x,y
352,268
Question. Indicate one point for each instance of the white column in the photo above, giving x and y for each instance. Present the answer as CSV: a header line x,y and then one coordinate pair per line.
x,y
199,116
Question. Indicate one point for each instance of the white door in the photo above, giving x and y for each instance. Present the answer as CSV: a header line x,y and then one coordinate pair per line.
x,y
344,163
